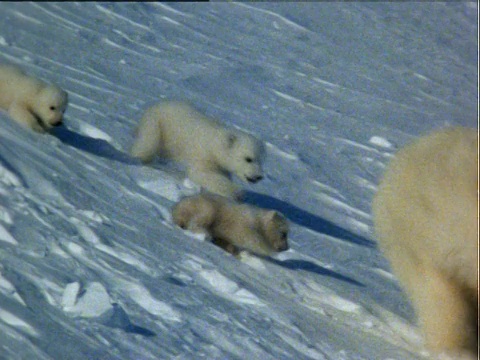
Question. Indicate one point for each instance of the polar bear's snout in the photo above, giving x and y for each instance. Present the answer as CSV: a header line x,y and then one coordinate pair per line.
x,y
254,179
58,123
47,121
57,120
252,172
282,247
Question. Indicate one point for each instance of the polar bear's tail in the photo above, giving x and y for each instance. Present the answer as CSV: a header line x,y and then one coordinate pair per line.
x,y
148,138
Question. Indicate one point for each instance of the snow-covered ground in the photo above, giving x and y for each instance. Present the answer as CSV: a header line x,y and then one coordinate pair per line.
x,y
91,266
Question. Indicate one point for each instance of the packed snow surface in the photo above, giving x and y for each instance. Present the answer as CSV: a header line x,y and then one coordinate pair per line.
x,y
91,265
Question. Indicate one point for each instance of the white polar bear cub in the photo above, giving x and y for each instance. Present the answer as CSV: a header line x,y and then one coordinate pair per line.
x,y
231,225
425,215
30,101
211,152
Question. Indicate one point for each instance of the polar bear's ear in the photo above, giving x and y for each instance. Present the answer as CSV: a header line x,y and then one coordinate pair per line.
x,y
274,217
232,138
269,216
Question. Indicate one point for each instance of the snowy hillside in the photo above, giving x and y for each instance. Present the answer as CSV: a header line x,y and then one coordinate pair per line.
x,y
91,266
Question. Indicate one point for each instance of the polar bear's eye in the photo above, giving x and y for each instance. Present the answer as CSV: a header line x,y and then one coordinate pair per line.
x,y
53,108
248,159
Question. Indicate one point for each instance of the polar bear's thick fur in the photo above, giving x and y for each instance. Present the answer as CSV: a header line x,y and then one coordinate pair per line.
x,y
211,152
426,221
232,225
30,101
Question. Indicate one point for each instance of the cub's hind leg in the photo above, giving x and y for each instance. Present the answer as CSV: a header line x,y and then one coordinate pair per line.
x,y
148,139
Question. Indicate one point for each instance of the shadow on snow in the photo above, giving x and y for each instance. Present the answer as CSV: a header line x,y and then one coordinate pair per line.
x,y
98,147
305,219
298,264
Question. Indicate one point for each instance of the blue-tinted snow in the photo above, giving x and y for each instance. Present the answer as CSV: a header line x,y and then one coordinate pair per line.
x,y
91,266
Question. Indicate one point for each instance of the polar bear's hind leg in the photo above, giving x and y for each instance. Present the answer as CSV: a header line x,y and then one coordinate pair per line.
x,y
148,140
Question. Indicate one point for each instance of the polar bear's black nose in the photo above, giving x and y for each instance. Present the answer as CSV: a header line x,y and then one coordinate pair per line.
x,y
255,179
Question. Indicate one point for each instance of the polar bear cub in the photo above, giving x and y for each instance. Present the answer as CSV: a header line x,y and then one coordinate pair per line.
x,y
231,225
211,152
30,101
426,220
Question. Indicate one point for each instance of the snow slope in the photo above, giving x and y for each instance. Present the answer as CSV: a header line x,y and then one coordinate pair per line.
x,y
91,266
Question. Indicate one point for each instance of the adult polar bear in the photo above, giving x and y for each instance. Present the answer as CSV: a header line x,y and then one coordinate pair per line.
x,y
425,215
30,101
211,152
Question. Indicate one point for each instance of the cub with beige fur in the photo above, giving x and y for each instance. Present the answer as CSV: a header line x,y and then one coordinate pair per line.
x,y
231,225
